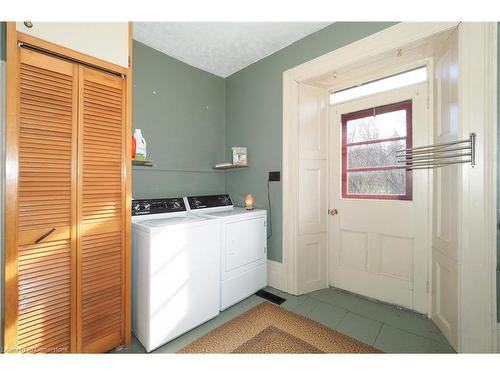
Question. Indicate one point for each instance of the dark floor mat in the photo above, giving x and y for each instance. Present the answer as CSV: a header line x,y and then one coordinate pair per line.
x,y
270,297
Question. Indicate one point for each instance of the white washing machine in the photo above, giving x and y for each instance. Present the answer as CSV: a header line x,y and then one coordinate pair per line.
x,y
176,270
243,246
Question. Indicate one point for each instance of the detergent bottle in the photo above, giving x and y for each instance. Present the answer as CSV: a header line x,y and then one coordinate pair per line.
x,y
134,146
140,151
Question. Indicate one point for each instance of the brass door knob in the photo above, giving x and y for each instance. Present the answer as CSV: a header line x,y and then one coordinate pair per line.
x,y
332,211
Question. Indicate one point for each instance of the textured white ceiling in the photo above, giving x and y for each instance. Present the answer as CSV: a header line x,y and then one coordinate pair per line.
x,y
222,48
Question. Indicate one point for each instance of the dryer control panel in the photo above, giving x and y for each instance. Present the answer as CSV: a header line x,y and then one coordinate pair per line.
x,y
157,206
209,201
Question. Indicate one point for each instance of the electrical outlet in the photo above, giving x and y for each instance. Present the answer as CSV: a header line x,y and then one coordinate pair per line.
x,y
275,176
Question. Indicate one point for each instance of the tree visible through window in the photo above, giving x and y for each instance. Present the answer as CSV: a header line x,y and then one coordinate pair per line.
x,y
370,139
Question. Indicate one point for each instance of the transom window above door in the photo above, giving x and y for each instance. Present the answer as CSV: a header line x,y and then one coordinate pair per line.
x,y
392,82
370,139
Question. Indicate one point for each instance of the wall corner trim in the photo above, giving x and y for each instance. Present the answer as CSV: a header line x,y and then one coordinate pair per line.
x,y
275,275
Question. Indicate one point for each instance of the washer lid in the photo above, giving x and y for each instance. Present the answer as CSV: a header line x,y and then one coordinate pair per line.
x,y
179,220
235,212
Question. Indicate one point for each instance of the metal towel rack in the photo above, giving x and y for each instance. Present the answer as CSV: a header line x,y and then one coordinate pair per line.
x,y
438,155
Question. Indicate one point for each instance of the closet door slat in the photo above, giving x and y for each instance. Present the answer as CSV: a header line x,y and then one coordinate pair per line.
x,y
101,191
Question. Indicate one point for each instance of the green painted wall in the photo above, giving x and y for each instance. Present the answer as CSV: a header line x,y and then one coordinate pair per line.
x,y
254,115
498,172
183,124
2,40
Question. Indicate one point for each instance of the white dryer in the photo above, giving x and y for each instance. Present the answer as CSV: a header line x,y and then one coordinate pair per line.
x,y
176,270
243,245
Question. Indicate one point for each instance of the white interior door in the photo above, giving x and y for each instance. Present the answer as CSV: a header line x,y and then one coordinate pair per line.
x,y
446,207
379,247
313,192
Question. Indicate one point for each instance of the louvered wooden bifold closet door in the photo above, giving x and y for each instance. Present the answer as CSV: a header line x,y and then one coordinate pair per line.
x,y
67,258
100,243
48,93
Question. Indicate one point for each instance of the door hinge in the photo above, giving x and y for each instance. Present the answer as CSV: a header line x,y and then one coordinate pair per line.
x,y
427,286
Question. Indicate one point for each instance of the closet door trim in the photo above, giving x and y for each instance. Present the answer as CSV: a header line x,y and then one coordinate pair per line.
x,y
67,53
11,185
127,196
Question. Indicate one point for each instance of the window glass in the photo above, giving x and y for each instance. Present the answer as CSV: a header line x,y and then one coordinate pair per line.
x,y
374,154
370,139
382,126
384,84
385,182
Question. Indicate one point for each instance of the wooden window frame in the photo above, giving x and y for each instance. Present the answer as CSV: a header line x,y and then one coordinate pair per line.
x,y
404,105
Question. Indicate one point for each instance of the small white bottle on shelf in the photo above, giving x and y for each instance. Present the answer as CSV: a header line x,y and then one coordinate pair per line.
x,y
140,152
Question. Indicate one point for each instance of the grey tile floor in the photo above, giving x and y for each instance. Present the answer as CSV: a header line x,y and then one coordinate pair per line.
x,y
386,327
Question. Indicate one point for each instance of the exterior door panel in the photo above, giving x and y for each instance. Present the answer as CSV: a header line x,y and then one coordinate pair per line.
x,y
379,247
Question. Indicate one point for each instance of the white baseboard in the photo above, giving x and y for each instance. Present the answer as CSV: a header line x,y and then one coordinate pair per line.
x,y
275,275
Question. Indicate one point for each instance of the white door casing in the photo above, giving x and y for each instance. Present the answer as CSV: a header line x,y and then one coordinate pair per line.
x,y
477,92
313,180
380,248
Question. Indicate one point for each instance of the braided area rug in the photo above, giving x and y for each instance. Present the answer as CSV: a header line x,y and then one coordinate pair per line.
x,y
268,328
